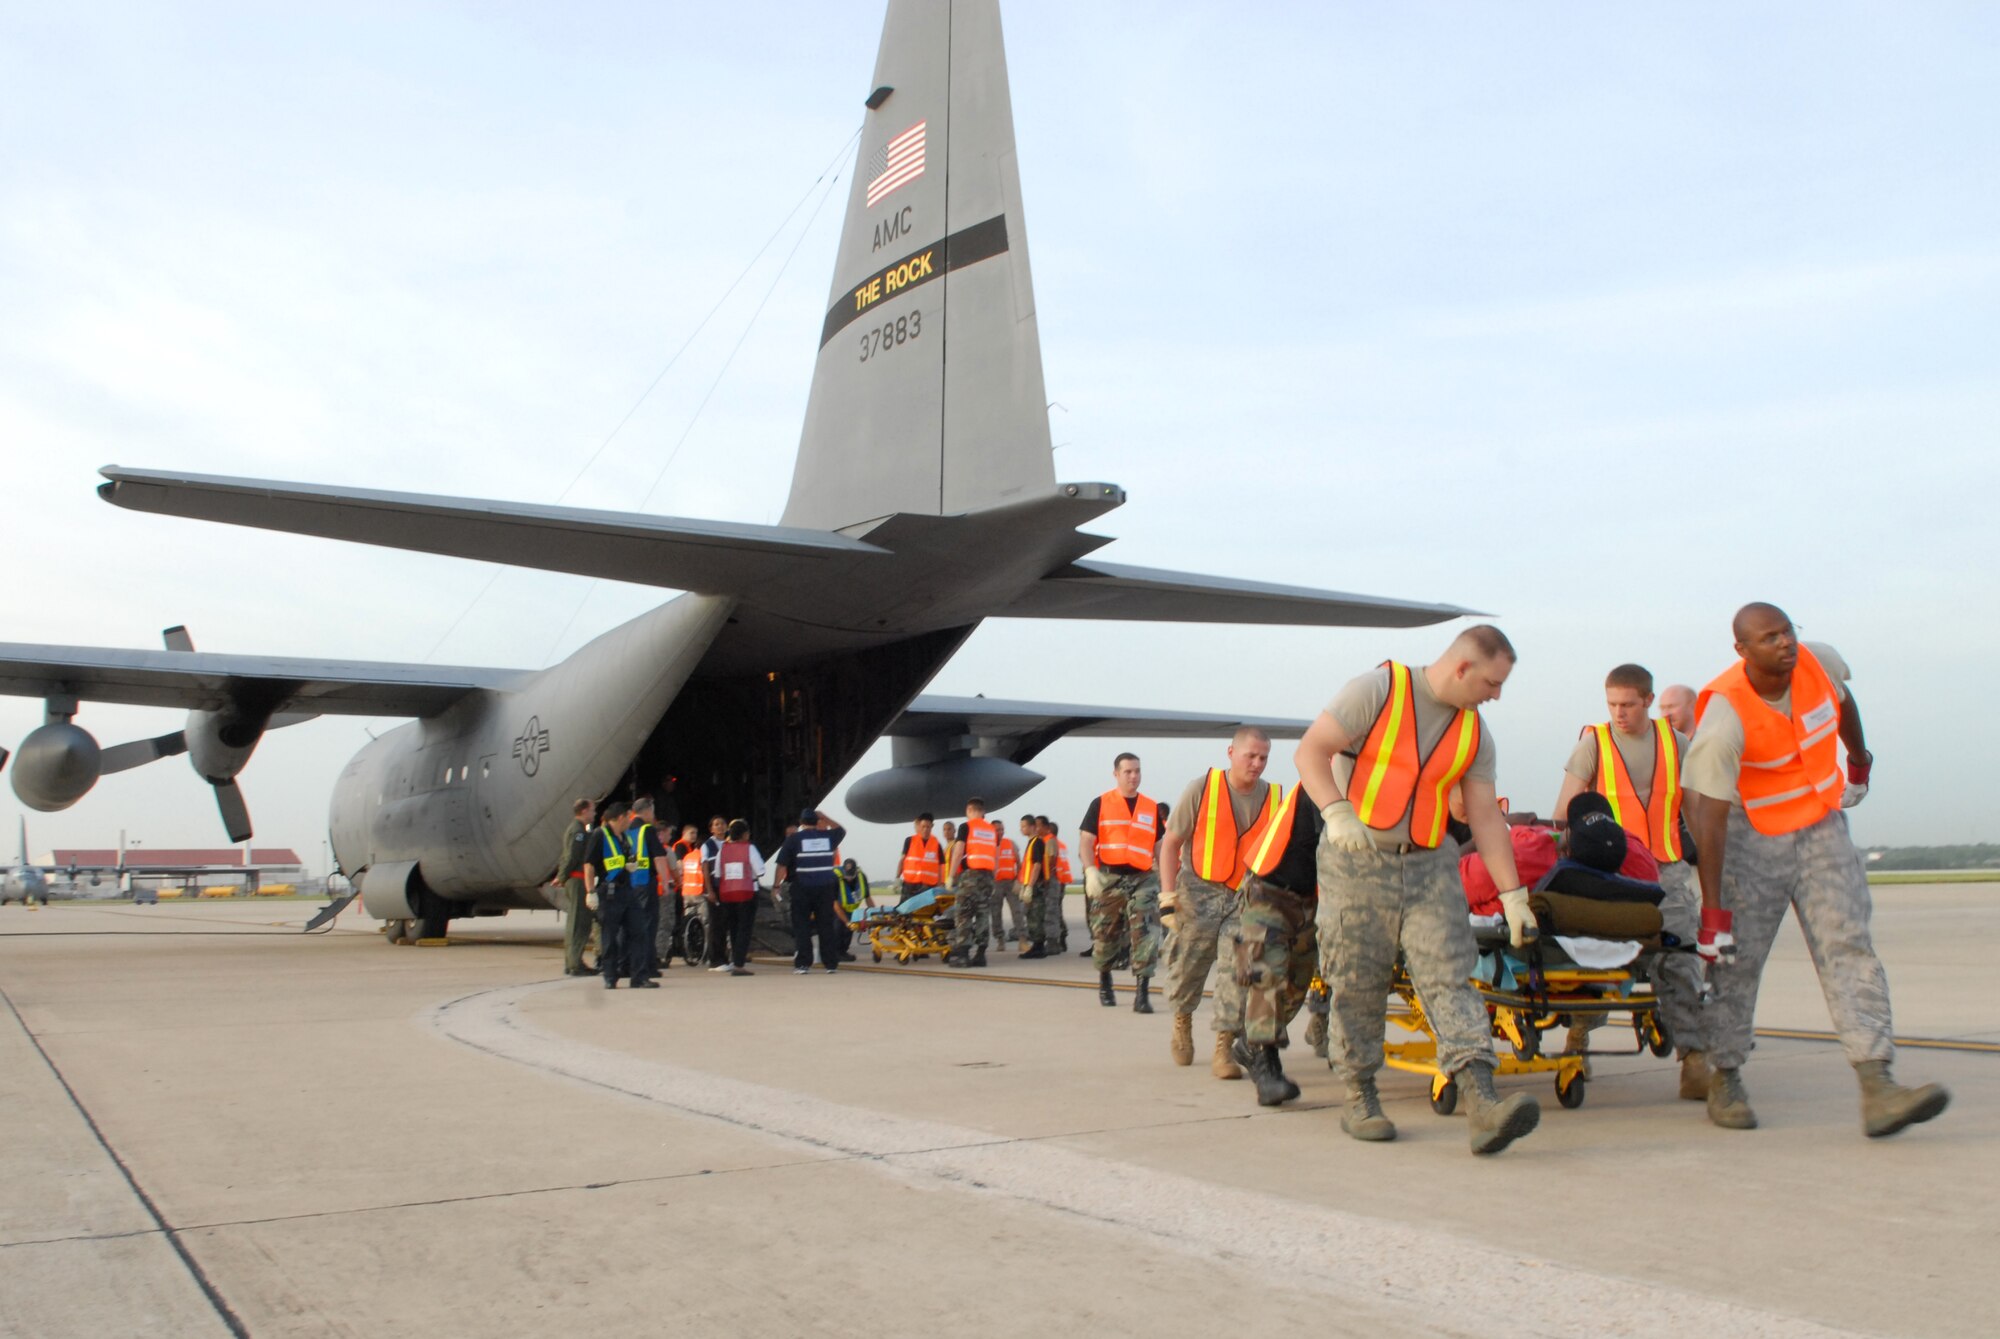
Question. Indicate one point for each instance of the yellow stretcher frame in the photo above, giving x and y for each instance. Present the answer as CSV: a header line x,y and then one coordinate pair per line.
x,y
1520,1018
909,935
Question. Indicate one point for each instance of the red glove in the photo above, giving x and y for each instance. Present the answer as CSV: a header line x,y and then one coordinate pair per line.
x,y
1717,941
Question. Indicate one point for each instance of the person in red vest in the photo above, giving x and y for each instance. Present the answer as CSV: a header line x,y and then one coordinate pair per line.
x,y
920,865
732,882
1380,762
1119,831
973,858
1220,813
1764,765
1634,762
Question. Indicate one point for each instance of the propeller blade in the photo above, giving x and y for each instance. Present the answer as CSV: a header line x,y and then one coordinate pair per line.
x,y
124,757
235,813
4,755
177,638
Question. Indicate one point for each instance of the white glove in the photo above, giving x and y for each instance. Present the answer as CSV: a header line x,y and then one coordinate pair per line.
x,y
1854,795
1093,882
1521,927
1344,827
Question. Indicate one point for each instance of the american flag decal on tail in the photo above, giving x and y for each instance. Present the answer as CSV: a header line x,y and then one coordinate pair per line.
x,y
901,160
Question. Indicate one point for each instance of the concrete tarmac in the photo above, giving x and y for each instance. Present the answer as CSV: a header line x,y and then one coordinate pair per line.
x,y
216,1125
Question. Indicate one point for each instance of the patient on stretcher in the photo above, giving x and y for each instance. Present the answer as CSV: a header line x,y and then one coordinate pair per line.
x,y
1589,883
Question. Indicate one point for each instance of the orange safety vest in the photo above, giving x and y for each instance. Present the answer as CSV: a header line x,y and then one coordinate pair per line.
x,y
1126,833
980,838
1006,860
1063,870
1391,786
1790,774
1657,823
692,882
1218,851
1273,835
923,864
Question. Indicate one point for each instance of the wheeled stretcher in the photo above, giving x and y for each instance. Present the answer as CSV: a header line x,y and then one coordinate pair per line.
x,y
916,927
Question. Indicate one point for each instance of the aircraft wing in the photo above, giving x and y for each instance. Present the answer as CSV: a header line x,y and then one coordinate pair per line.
x,y
1029,727
1111,591
200,679
713,557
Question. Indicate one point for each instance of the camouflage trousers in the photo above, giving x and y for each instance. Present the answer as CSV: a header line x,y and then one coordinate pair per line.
x,y
974,888
1045,912
1134,899
1274,945
1371,904
1199,911
1005,895
1817,871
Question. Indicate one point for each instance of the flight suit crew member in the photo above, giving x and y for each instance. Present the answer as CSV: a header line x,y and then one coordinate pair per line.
x,y
620,911
1120,830
570,878
653,873
1765,770
1006,887
1380,761
1272,940
1038,882
920,866
973,858
1217,814
807,860
1634,762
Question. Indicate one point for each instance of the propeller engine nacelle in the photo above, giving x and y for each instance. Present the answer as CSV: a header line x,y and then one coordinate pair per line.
x,y
942,787
219,743
56,766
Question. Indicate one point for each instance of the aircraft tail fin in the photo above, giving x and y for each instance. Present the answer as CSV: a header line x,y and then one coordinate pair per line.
x,y
927,397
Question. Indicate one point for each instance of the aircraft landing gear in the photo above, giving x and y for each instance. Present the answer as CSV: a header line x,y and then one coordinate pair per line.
x,y
398,931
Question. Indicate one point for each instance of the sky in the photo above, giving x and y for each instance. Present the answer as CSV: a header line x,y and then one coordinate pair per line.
x,y
1602,319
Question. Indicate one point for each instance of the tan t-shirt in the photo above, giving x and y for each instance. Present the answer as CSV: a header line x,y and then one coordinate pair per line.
x,y
1180,820
1715,754
1356,706
1637,752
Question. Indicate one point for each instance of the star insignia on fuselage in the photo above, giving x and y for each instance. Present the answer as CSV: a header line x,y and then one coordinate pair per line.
x,y
531,744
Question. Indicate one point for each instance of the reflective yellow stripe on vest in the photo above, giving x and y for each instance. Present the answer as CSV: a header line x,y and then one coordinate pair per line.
x,y
1399,705
1280,823
1461,758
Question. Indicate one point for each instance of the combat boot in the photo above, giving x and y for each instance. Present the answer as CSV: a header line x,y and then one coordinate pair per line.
x,y
1495,1124
1224,1065
1728,1104
1105,996
1695,1077
1037,950
1140,1004
1887,1106
1273,1089
957,958
1363,1118
1181,1047
979,956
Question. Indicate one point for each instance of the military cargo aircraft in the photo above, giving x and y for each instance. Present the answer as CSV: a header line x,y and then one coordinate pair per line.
x,y
924,500
24,880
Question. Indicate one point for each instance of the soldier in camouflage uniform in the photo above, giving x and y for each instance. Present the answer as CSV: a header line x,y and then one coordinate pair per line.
x,y
1119,831
1379,762
1199,869
972,858
1766,741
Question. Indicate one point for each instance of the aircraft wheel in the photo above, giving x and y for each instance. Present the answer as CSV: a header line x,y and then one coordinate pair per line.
x,y
397,932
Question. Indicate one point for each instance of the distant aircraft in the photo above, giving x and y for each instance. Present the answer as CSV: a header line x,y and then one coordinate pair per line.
x,y
23,881
923,501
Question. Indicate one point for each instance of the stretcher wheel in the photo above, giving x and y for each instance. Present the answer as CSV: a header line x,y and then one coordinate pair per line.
x,y
903,958
1444,1100
878,955
1661,1043
1570,1094
1530,1044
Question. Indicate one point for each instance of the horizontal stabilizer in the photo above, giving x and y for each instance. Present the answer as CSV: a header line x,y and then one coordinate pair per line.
x,y
712,557
1143,594
1026,728
201,680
